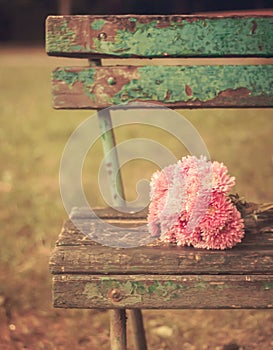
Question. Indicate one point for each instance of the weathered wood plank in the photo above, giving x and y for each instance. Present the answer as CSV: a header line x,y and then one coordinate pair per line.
x,y
77,252
159,36
257,216
172,86
164,292
258,220
89,230
161,259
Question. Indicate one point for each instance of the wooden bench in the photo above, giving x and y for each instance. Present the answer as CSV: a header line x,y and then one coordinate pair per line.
x,y
87,274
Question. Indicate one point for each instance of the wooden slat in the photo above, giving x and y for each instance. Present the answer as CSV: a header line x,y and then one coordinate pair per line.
x,y
78,252
257,216
164,292
88,230
159,36
161,259
258,220
172,86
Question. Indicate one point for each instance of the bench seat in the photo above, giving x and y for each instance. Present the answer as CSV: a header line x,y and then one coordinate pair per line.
x,y
159,275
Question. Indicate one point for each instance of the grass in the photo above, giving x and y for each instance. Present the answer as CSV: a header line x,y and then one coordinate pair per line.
x,y
32,138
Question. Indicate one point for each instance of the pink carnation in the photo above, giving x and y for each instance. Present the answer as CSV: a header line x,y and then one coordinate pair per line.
x,y
189,205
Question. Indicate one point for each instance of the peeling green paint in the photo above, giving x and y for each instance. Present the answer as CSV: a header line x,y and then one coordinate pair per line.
x,y
60,38
79,48
156,288
205,82
66,76
204,37
133,291
86,77
137,288
90,290
173,84
152,288
175,36
268,286
97,24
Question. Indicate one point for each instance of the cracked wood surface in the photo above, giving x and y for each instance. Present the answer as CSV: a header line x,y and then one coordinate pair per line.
x,y
77,252
164,292
87,274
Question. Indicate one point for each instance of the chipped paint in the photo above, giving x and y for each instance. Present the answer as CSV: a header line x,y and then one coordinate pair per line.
x,y
214,85
60,37
200,83
132,292
161,36
97,24
69,77
268,286
163,291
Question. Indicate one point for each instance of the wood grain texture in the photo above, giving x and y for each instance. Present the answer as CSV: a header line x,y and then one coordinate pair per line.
x,y
164,292
171,86
159,36
158,275
157,259
77,252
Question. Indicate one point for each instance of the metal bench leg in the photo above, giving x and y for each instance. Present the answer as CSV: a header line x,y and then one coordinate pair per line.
x,y
118,329
139,337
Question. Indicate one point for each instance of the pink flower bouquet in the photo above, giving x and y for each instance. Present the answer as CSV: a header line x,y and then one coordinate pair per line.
x,y
190,205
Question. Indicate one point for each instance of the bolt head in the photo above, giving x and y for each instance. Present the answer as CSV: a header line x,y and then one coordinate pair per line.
x,y
115,295
102,36
111,81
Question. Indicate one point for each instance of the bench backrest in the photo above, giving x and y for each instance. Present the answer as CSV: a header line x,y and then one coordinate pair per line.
x,y
176,86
